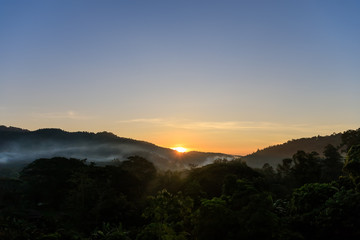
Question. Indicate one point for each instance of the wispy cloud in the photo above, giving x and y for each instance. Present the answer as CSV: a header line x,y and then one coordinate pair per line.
x,y
228,125
144,120
214,125
302,128
63,115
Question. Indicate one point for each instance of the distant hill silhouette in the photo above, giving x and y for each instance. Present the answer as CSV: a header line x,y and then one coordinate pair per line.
x,y
20,145
274,154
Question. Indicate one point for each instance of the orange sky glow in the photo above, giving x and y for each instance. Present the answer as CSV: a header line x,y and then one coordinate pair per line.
x,y
213,76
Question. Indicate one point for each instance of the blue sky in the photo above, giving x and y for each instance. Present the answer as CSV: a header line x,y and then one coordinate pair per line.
x,y
229,76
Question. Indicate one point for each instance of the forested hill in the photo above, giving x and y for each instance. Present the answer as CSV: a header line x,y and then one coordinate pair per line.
x,y
275,154
18,144
306,197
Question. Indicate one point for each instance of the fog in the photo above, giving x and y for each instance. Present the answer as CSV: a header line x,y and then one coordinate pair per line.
x,y
27,146
92,152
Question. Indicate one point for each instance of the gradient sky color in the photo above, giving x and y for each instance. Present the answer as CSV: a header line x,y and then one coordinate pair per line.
x,y
219,76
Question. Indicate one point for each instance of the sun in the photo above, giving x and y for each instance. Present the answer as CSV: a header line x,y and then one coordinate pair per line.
x,y
180,149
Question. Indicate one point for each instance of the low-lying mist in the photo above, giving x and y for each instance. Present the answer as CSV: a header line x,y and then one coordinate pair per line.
x,y
26,146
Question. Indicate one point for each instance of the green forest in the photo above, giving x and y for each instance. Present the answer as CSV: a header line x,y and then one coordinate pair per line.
x,y
309,196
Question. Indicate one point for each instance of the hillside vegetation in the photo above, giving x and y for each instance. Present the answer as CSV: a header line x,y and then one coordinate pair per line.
x,y
307,196
273,155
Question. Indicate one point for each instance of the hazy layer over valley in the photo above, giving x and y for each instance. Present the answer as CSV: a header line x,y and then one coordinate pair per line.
x,y
22,145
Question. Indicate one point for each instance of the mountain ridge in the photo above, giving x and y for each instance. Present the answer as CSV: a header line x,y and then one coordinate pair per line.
x,y
273,155
22,144
17,144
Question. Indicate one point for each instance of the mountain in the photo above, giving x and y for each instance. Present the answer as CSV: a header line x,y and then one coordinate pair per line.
x,y
275,154
20,145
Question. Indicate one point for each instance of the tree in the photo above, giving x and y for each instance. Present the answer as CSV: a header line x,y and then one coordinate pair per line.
x,y
306,167
110,232
307,203
47,180
243,212
331,165
284,169
340,217
211,177
268,172
169,217
350,138
310,197
214,220
103,194
140,167
169,180
352,165
253,208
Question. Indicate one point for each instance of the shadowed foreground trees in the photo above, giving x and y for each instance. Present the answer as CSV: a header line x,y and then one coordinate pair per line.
x,y
352,165
238,213
304,198
168,217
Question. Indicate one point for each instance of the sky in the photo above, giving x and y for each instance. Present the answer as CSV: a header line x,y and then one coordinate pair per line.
x,y
215,76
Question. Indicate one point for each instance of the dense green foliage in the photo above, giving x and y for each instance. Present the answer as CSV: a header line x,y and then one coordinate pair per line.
x,y
307,196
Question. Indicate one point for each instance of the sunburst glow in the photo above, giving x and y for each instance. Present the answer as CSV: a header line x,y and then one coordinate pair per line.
x,y
180,149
